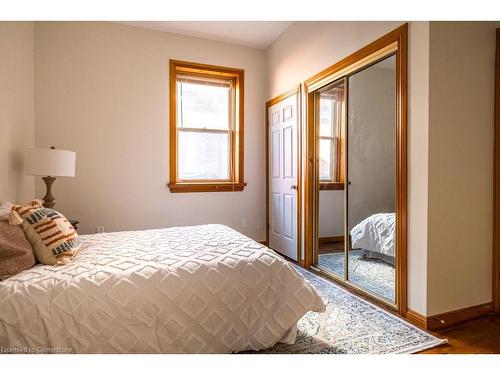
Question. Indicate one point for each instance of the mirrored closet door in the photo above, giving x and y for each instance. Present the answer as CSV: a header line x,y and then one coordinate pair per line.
x,y
357,183
371,188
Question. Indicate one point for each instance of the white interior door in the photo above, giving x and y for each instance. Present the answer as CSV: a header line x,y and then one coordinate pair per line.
x,y
283,177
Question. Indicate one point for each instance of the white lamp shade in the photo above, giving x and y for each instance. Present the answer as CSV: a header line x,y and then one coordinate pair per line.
x,y
50,162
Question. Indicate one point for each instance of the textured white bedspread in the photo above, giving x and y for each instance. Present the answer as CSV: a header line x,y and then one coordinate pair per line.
x,y
197,289
375,233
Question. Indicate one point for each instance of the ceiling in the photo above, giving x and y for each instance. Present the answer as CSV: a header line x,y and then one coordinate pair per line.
x,y
255,34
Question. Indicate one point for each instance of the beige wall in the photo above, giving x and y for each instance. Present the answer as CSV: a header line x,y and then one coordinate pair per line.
x,y
418,161
102,91
462,78
16,109
306,48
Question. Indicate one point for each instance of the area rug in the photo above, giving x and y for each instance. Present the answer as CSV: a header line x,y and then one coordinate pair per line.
x,y
373,275
351,325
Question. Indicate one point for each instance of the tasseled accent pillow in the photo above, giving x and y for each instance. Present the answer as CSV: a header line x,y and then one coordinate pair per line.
x,y
53,238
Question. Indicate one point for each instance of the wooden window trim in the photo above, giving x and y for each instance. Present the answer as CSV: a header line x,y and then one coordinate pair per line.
x,y
331,185
236,134
496,183
200,187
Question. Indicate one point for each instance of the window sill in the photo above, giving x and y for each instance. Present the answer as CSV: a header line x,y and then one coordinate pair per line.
x,y
205,187
331,186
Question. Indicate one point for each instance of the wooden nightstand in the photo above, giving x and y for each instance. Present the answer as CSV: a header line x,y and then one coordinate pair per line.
x,y
74,223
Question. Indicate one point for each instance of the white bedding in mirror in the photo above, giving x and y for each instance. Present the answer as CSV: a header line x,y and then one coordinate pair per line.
x,y
376,233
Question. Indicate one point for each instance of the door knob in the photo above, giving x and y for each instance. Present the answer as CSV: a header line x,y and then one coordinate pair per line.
x,y
294,187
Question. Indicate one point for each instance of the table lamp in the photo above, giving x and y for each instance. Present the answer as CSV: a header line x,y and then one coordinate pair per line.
x,y
50,163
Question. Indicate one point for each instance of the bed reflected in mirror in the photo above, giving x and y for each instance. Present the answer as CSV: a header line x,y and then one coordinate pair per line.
x,y
371,195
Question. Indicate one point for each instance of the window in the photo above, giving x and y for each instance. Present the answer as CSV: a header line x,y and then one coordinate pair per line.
x,y
206,128
331,137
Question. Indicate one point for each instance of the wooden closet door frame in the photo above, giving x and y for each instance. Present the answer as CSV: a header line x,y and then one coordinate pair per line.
x,y
295,91
394,42
496,184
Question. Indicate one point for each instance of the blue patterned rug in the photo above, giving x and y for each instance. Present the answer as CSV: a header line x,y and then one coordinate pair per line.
x,y
373,275
351,325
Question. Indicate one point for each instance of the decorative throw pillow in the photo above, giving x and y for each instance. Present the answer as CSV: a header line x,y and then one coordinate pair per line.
x,y
53,238
16,254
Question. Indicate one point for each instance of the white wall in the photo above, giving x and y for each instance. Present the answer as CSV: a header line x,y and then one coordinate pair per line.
x,y
462,79
16,110
101,89
331,213
418,161
306,48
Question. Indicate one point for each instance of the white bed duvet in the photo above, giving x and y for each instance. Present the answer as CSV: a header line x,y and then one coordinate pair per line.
x,y
375,233
195,289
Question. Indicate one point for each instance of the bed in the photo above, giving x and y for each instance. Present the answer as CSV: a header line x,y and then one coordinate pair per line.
x,y
198,289
376,236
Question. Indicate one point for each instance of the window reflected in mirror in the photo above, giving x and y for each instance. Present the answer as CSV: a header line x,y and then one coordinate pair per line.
x,y
331,134
330,106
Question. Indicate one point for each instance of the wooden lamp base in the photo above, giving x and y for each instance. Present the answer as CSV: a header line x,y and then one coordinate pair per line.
x,y
49,200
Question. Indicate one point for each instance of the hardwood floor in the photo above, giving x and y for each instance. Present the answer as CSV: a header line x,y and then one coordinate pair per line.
x,y
481,335
331,247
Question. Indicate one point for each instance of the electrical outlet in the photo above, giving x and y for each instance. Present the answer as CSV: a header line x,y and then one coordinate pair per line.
x,y
260,224
243,222
99,229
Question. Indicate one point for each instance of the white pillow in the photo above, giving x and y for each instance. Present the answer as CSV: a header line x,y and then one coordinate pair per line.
x,y
5,209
